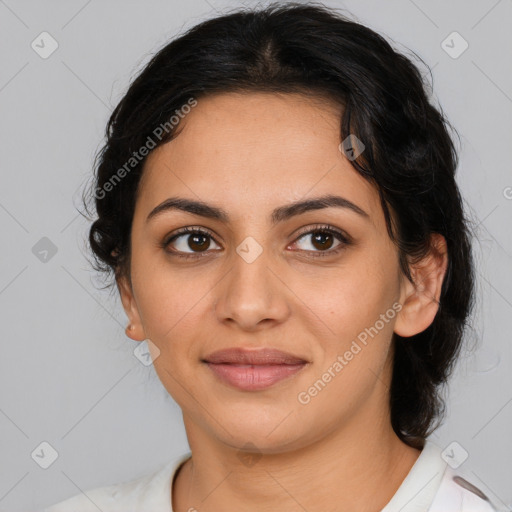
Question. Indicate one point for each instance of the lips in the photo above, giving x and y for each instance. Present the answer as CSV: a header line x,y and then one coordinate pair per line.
x,y
253,370
263,356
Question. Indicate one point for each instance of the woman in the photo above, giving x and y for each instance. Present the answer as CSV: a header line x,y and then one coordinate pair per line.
x,y
277,203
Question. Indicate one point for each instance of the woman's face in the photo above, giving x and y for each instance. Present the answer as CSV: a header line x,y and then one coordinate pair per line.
x,y
258,280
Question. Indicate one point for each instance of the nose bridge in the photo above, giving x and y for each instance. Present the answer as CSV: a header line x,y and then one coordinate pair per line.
x,y
251,290
251,270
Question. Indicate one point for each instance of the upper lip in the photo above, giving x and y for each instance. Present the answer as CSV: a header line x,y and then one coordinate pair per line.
x,y
262,356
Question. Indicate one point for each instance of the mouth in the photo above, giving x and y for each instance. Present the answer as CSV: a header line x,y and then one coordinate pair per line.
x,y
253,370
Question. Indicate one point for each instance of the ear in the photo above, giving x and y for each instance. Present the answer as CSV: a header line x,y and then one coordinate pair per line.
x,y
130,307
420,301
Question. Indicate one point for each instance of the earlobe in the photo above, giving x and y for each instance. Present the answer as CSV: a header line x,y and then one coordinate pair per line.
x,y
420,301
134,330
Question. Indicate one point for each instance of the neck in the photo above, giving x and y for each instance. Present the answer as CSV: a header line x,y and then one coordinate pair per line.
x,y
359,468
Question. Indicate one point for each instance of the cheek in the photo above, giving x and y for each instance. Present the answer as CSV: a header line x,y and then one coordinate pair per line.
x,y
171,312
355,295
361,301
351,360
168,295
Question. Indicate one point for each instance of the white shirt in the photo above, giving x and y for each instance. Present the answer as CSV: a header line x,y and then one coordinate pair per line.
x,y
430,486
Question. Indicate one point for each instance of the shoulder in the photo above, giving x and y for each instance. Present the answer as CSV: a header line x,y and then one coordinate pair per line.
x,y
151,490
457,494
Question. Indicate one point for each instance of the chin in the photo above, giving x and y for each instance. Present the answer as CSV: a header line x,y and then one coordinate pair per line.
x,y
266,433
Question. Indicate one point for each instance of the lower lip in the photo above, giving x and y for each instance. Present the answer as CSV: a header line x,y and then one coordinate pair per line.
x,y
254,377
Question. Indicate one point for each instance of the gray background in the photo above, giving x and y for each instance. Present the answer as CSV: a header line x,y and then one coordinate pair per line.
x,y
68,375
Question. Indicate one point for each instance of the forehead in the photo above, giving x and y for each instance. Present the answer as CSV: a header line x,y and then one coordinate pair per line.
x,y
266,149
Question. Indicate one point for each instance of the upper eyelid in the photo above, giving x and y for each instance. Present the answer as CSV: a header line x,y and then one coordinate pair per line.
x,y
322,227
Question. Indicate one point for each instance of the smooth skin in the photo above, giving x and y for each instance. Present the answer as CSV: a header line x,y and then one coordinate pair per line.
x,y
249,153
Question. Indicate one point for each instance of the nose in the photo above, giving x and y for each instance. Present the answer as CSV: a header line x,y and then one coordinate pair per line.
x,y
252,295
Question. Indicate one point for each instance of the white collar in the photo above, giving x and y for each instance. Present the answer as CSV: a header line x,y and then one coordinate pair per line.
x,y
420,486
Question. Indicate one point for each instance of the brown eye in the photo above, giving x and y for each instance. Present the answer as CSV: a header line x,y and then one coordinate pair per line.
x,y
198,242
188,241
322,239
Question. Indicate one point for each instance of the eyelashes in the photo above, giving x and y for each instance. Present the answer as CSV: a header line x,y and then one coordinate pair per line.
x,y
201,236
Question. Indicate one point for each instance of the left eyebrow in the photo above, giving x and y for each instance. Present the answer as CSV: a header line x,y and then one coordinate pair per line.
x,y
279,214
